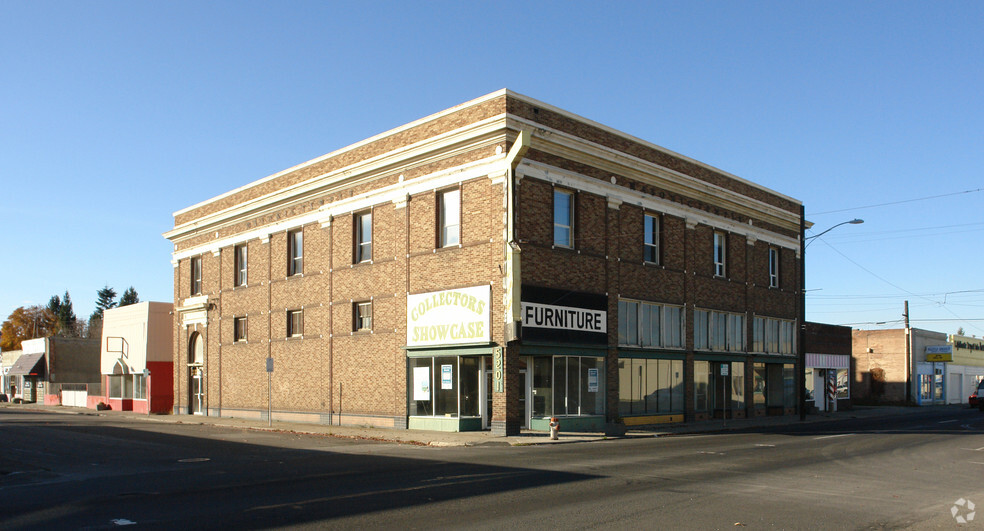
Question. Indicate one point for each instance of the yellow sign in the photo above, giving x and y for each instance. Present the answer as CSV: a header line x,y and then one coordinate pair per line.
x,y
939,357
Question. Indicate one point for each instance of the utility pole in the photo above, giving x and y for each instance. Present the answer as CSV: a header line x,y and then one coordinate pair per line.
x,y
908,356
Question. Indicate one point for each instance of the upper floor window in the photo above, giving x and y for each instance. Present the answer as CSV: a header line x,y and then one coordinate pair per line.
x,y
362,313
240,260
196,275
449,217
773,267
720,246
773,336
651,238
295,252
719,331
239,329
643,324
563,209
295,323
363,237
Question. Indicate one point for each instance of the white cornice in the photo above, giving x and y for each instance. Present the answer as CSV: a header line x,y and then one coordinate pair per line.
x,y
645,143
611,161
435,148
389,194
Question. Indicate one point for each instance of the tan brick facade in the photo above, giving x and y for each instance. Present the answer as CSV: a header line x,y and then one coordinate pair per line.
x,y
334,373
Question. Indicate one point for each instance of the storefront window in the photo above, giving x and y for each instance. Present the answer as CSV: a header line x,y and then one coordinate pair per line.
x,y
648,386
578,386
809,383
843,384
446,386
116,386
758,385
737,385
925,386
139,387
701,385
789,385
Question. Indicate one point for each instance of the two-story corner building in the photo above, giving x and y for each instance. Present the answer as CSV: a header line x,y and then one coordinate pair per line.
x,y
489,267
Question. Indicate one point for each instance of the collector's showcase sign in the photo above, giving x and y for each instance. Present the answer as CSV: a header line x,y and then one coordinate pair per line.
x,y
452,317
564,316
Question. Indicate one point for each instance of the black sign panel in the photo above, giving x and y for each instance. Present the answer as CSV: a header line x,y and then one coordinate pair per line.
x,y
564,316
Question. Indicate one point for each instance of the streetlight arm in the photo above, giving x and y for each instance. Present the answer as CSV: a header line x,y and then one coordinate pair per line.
x,y
856,221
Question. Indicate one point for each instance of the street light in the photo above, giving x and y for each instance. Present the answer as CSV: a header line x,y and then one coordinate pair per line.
x,y
802,337
855,221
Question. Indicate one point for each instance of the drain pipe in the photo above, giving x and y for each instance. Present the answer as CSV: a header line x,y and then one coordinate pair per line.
x,y
512,281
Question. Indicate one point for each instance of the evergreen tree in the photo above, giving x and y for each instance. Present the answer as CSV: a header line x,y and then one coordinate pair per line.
x,y
105,299
129,297
62,309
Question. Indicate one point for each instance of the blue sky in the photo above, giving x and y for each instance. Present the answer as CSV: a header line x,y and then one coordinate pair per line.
x,y
116,114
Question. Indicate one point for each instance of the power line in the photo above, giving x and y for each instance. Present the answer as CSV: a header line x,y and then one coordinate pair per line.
x,y
897,202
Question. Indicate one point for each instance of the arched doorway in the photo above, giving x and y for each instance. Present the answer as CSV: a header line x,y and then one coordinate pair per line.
x,y
196,387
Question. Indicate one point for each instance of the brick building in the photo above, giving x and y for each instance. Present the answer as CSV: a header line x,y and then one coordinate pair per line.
x,y
488,267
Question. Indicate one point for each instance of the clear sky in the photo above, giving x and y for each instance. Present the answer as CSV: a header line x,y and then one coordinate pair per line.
x,y
114,115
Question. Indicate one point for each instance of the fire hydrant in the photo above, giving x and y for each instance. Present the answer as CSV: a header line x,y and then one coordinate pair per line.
x,y
554,428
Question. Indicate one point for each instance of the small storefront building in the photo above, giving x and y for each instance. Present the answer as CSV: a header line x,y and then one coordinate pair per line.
x,y
135,361
950,373
8,386
451,360
27,376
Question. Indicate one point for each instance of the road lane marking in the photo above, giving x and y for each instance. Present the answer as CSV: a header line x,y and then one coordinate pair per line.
x,y
949,421
765,445
832,436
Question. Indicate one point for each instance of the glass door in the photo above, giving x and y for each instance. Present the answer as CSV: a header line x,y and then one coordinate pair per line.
x,y
195,404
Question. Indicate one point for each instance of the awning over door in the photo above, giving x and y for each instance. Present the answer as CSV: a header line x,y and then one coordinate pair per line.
x,y
28,364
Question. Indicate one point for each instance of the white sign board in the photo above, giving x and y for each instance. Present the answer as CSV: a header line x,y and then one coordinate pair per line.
x,y
452,317
536,315
724,369
421,383
592,380
939,349
446,381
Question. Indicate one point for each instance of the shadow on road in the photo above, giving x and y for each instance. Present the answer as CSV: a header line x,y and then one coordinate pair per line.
x,y
72,471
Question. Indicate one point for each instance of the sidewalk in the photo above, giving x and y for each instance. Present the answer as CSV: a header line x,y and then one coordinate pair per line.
x,y
477,438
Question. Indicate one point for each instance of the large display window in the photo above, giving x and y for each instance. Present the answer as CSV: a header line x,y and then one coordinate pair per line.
x,y
568,386
444,386
650,386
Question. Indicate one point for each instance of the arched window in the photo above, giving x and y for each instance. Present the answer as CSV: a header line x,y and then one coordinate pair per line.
x,y
196,352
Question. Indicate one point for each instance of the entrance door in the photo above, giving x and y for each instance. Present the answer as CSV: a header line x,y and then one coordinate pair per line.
x,y
197,394
720,389
487,394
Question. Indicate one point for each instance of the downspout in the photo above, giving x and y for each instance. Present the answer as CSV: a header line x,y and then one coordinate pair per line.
x,y
512,282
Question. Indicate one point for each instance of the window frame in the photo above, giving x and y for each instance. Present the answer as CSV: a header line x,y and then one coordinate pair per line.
x,y
569,194
651,246
240,265
239,329
295,327
720,256
196,275
295,252
660,315
773,267
443,223
358,317
362,248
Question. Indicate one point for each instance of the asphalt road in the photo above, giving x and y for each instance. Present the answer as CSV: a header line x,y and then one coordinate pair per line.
x,y
84,471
